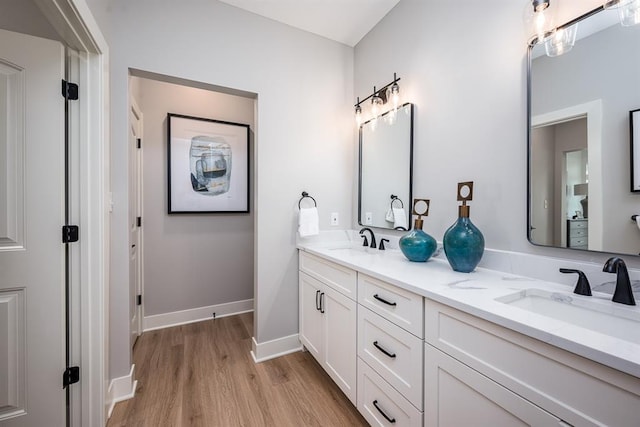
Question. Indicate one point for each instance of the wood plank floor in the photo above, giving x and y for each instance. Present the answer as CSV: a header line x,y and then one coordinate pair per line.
x,y
202,374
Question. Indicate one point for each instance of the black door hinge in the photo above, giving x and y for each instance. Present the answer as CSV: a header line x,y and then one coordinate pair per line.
x,y
69,90
139,300
139,142
139,221
70,376
70,233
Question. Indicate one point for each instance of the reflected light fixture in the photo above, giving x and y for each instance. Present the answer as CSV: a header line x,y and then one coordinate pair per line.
x,y
389,92
376,103
628,11
539,18
561,40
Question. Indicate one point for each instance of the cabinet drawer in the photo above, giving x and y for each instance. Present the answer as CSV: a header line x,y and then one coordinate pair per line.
x,y
568,386
393,353
380,404
575,242
578,225
578,232
340,278
401,307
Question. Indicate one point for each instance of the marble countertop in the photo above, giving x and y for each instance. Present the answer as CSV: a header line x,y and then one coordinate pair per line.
x,y
476,293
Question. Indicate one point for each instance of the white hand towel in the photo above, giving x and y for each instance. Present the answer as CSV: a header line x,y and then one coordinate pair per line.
x,y
389,215
399,218
308,222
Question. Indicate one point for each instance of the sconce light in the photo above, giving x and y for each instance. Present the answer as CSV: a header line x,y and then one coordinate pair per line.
x,y
561,40
539,18
379,98
358,112
628,11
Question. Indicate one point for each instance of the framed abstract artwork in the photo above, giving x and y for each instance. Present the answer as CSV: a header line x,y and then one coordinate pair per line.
x,y
208,165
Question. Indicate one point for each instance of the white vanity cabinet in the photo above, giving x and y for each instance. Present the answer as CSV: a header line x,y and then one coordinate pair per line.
x,y
390,354
477,370
328,318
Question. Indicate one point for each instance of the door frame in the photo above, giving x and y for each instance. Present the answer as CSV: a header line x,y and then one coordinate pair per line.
x,y
138,203
79,31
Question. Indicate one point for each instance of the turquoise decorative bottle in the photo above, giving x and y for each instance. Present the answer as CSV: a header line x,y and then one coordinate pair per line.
x,y
463,242
417,245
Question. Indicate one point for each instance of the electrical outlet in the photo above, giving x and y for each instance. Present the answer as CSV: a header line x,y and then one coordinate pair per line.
x,y
546,204
334,218
368,218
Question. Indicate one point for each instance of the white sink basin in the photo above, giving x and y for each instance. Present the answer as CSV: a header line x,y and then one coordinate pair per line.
x,y
598,315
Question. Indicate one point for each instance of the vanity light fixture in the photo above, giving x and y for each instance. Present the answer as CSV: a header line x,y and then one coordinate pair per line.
x,y
379,97
628,11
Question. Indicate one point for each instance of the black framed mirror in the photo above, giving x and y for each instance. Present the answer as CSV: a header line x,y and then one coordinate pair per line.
x,y
386,170
579,164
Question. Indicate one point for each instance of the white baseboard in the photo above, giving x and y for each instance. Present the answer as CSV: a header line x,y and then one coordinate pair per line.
x,y
120,389
274,348
199,314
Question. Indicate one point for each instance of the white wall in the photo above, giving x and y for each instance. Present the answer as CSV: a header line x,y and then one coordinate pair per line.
x,y
304,133
464,66
190,261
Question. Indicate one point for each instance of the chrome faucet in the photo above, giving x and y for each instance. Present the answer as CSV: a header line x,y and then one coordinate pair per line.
x,y
623,293
373,237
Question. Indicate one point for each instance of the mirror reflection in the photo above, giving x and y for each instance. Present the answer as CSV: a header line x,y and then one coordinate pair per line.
x,y
385,170
579,139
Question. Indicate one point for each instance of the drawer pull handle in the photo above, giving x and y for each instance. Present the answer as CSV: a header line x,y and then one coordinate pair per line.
x,y
322,302
391,355
384,300
384,414
318,300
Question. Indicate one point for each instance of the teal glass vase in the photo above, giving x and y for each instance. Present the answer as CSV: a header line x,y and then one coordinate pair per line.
x,y
417,245
463,245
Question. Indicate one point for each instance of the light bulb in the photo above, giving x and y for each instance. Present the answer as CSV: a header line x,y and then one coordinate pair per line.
x,y
539,18
376,105
629,12
358,114
395,95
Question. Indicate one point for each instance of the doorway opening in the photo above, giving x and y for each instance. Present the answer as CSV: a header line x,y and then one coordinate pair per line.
x,y
192,267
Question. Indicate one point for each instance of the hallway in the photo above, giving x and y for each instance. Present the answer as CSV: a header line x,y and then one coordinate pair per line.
x,y
202,374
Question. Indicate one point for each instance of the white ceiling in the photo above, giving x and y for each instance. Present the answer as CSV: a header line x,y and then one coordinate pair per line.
x,y
345,21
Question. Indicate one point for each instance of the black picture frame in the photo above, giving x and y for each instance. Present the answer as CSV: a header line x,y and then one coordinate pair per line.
x,y
634,137
207,165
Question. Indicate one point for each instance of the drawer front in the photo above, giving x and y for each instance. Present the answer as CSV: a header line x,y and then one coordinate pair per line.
x,y
340,278
380,404
401,307
578,225
575,242
393,353
578,232
566,385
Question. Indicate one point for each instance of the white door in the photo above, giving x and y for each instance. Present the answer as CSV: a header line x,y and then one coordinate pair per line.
x,y
456,395
340,341
32,314
310,293
135,241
